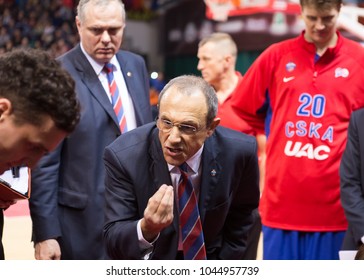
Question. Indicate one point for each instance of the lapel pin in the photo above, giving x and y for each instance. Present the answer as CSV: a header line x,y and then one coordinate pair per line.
x,y
128,74
213,172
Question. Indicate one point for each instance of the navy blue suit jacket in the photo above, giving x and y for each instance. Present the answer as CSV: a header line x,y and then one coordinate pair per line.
x,y
67,199
229,191
352,181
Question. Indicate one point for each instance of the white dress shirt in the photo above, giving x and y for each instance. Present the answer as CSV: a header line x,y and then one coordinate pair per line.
x,y
128,106
194,172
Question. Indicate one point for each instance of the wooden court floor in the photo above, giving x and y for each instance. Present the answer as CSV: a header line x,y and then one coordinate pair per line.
x,y
17,233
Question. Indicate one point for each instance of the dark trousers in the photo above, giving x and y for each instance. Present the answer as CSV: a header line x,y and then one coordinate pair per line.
x,y
253,238
349,242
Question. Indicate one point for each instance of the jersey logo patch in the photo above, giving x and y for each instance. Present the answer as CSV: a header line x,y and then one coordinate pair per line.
x,y
290,66
341,72
287,79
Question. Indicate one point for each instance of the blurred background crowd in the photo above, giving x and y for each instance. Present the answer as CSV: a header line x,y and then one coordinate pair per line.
x,y
46,24
50,24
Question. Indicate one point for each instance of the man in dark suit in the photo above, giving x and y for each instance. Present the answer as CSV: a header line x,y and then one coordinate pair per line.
x,y
142,179
351,182
67,208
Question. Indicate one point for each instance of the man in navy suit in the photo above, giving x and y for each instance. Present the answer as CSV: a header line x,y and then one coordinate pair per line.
x,y
142,176
352,182
67,205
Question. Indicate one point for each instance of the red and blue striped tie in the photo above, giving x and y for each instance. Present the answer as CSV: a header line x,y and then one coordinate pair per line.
x,y
190,222
115,97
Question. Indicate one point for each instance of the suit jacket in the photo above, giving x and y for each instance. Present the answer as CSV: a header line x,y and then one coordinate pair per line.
x,y
229,191
67,199
351,181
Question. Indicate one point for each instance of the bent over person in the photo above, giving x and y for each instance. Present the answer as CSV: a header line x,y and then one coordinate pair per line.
x,y
179,175
38,108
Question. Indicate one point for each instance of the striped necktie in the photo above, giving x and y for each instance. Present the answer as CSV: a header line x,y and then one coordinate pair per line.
x,y
115,97
190,222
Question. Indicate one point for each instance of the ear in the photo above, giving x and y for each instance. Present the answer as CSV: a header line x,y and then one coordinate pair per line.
x,y
229,59
212,127
78,24
5,108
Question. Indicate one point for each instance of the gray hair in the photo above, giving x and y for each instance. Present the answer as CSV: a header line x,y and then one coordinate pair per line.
x,y
83,3
187,84
224,41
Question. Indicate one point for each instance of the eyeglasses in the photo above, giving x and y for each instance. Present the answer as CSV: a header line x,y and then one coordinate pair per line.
x,y
166,126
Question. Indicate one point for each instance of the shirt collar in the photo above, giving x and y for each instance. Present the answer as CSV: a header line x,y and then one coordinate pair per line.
x,y
193,162
97,66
